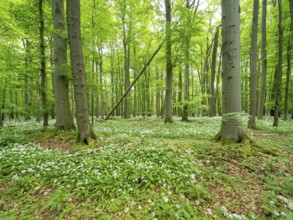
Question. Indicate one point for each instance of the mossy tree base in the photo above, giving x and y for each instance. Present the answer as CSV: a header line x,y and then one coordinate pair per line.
x,y
249,147
86,138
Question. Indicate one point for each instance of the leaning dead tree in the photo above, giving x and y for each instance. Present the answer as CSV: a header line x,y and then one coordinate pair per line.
x,y
134,81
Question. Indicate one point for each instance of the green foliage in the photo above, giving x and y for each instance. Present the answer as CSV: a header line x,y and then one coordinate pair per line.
x,y
149,170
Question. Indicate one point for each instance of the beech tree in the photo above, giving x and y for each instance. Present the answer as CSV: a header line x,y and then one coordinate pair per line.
x,y
42,79
253,66
262,92
231,130
278,73
169,75
64,119
85,132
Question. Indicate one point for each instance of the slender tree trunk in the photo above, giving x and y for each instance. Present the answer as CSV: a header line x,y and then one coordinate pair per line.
x,y
16,104
158,93
279,71
27,97
288,73
134,87
112,78
169,75
11,113
4,100
64,118
186,82
231,130
180,93
43,66
217,86
212,103
102,104
79,78
262,94
253,66
126,50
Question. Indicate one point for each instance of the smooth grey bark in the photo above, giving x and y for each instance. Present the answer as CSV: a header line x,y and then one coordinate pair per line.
x,y
158,93
279,71
64,118
180,91
27,81
43,66
186,82
16,104
212,98
102,104
79,78
288,73
262,93
217,86
169,74
231,130
126,50
192,6
134,87
253,67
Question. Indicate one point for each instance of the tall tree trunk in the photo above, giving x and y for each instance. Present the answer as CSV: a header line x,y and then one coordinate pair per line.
x,y
79,78
279,72
134,87
169,75
231,130
262,94
126,49
217,86
186,82
180,92
112,77
16,104
43,66
27,93
64,118
158,93
288,73
102,104
253,66
11,113
212,103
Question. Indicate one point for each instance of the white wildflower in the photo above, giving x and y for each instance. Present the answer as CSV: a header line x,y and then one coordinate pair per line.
x,y
166,199
192,176
209,211
283,214
290,205
126,210
15,177
115,174
276,213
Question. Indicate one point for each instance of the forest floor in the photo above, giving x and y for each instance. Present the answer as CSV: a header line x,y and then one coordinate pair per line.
x,y
145,169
